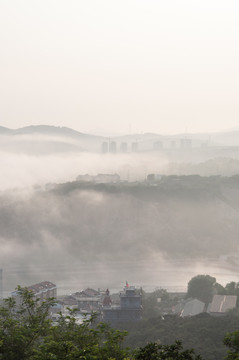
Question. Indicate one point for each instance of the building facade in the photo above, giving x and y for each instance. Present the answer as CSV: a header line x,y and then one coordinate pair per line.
x,y
130,308
42,291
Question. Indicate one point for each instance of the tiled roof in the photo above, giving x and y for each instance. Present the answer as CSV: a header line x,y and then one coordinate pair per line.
x,y
41,287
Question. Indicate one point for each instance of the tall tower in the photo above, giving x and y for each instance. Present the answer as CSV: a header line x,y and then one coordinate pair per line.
x,y
130,308
130,300
104,147
113,147
134,146
124,147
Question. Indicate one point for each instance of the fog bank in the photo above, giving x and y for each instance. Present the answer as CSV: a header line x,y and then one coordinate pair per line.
x,y
101,235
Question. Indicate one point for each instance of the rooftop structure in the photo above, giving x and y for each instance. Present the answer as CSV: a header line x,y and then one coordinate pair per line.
x,y
222,303
89,299
192,308
130,308
43,290
68,300
42,287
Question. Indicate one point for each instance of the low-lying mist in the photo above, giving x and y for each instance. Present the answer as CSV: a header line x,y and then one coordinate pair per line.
x,y
81,235
20,170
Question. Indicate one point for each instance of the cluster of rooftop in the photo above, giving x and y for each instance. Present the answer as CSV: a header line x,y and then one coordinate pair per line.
x,y
220,305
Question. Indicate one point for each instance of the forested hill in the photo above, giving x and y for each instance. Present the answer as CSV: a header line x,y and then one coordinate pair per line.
x,y
179,215
190,186
123,227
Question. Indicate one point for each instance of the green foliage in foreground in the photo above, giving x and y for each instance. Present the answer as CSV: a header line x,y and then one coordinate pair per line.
x,y
232,341
27,333
154,351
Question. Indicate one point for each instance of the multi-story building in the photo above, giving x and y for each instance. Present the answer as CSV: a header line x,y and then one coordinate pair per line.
x,y
124,147
130,308
134,146
113,147
88,299
42,291
105,147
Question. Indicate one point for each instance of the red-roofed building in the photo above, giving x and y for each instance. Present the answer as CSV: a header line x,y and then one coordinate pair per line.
x,y
43,291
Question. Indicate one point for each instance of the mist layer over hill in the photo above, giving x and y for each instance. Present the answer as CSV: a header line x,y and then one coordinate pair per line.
x,y
23,170
80,234
37,155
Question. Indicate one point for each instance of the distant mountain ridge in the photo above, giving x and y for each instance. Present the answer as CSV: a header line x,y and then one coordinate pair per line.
x,y
66,131
63,130
45,130
4,130
146,142
46,139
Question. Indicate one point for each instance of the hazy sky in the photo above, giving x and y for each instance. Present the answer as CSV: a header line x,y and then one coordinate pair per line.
x,y
117,66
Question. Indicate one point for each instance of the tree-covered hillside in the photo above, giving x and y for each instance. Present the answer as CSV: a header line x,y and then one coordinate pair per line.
x,y
203,332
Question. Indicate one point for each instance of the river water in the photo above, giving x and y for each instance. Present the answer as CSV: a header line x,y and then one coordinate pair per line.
x,y
172,275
